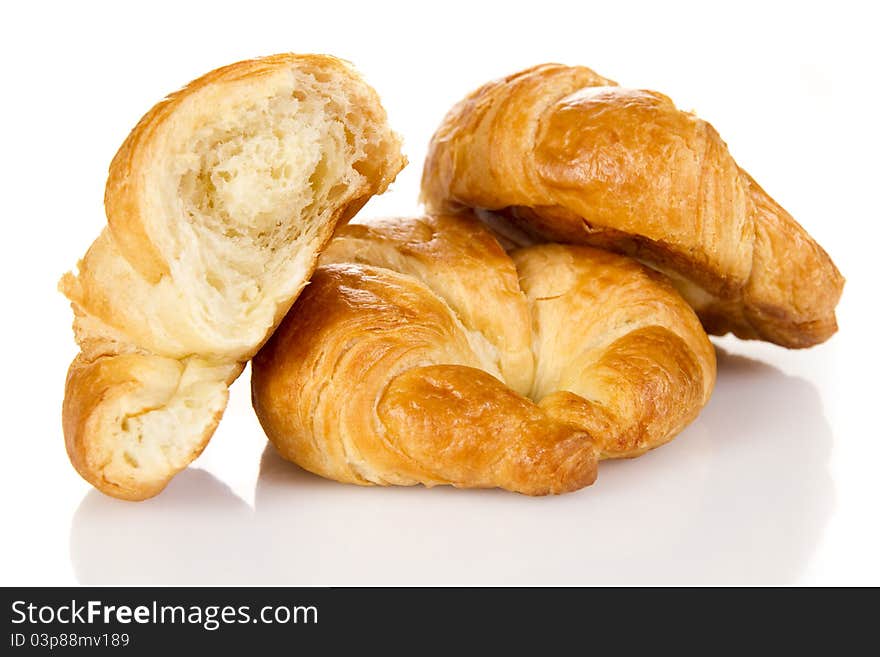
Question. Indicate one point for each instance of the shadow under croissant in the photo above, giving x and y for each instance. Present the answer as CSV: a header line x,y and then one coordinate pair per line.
x,y
196,532
741,497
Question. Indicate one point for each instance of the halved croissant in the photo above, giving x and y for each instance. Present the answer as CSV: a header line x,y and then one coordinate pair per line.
x,y
563,154
422,353
218,204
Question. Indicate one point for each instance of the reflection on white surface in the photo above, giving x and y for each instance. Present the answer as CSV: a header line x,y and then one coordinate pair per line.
x,y
742,496
197,532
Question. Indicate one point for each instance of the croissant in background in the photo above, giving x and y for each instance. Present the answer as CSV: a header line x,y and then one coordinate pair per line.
x,y
422,353
562,154
217,204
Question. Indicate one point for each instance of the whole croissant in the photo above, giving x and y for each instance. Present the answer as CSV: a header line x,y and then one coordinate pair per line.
x,y
422,353
563,154
218,204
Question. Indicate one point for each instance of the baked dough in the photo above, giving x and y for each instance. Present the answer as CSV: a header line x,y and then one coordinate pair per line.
x,y
562,154
218,204
422,353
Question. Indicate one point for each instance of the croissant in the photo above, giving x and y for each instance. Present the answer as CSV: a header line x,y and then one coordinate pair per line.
x,y
217,204
563,154
422,353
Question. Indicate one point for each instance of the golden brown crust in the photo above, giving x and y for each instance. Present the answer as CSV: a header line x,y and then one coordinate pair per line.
x,y
384,374
451,255
102,395
568,156
158,349
620,354
461,425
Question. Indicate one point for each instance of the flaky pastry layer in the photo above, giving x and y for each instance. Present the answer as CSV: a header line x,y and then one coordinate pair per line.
x,y
422,353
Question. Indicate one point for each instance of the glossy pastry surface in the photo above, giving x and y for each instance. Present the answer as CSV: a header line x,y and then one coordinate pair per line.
x,y
562,154
421,352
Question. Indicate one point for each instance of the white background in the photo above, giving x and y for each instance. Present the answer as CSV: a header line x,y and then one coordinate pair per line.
x,y
777,481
